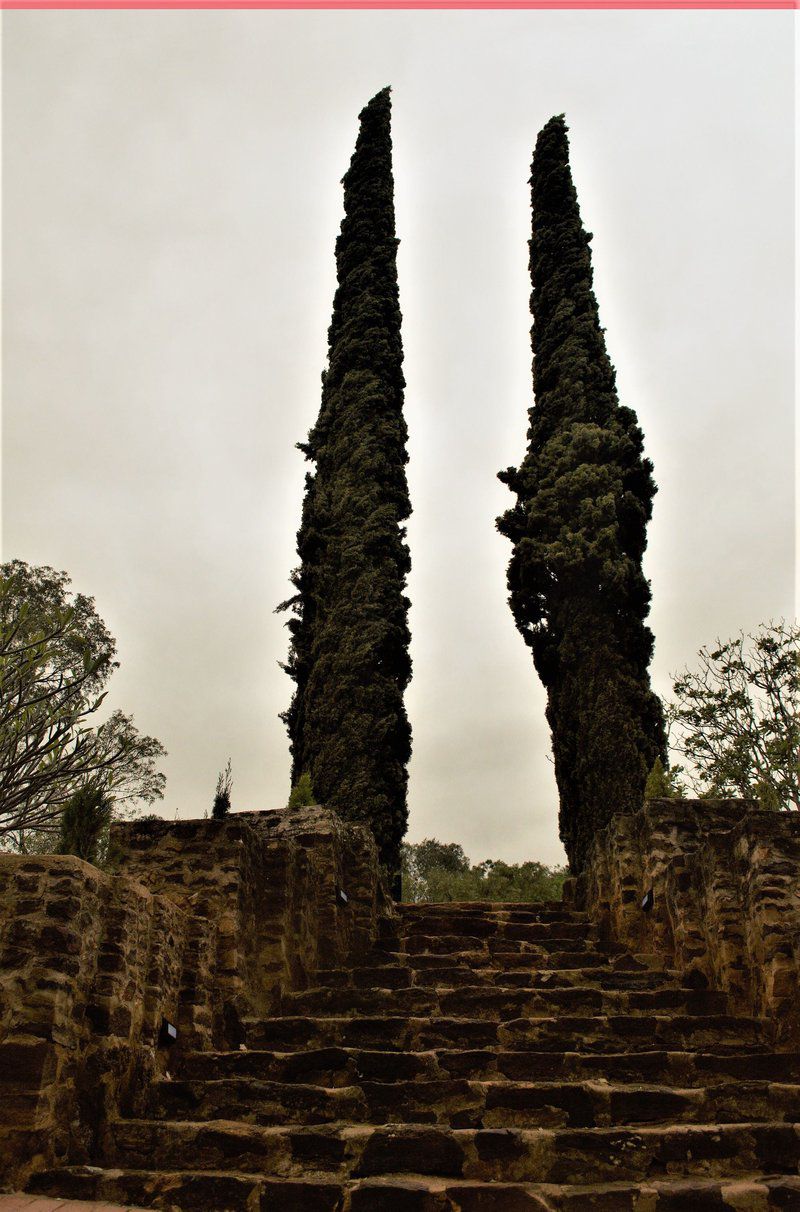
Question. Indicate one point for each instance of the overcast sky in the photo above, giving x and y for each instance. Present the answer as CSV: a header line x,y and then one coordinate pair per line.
x,y
171,201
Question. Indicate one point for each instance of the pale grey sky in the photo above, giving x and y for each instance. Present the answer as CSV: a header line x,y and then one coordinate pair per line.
x,y
171,201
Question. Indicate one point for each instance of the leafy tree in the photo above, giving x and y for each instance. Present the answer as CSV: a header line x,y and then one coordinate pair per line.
x,y
56,656
424,863
349,649
584,496
84,821
440,871
222,795
736,719
31,841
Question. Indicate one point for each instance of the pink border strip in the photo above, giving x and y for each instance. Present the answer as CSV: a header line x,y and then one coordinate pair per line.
x,y
400,4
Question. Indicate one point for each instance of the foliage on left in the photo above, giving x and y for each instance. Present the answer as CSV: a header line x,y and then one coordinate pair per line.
x,y
56,656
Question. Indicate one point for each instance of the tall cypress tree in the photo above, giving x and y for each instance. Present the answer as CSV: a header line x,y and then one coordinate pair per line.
x,y
584,497
349,654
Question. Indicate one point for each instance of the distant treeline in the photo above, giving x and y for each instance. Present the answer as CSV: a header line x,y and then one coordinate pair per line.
x,y
441,871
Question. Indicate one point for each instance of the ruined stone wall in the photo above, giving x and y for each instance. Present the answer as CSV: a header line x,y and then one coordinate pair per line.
x,y
202,922
263,891
89,963
725,877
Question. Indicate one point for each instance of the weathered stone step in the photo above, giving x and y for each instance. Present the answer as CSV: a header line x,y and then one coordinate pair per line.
x,y
503,937
559,1155
456,976
555,952
322,1066
222,1192
477,922
478,907
331,1067
679,1068
462,1103
556,1033
479,1058
540,957
249,1100
493,931
367,976
501,1002
186,1191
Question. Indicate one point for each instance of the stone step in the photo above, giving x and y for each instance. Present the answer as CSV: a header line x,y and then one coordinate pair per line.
x,y
501,937
555,1033
331,1067
480,919
480,1058
462,1103
408,917
553,952
501,1002
551,1155
456,976
532,959
478,907
189,1191
186,1190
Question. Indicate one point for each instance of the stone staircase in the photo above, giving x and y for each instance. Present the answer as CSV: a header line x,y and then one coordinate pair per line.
x,y
483,1058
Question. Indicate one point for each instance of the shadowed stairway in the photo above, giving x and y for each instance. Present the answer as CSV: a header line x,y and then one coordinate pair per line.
x,y
483,1058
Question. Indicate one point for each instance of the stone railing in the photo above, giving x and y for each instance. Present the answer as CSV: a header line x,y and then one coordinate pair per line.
x,y
725,879
202,922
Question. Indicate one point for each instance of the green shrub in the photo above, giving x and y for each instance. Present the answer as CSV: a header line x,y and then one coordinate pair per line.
x,y
302,794
662,784
84,824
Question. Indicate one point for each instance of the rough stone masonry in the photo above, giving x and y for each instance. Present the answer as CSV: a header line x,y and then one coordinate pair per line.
x,y
338,1053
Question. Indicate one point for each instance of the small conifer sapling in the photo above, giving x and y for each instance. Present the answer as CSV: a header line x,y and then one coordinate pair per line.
x,y
85,819
222,797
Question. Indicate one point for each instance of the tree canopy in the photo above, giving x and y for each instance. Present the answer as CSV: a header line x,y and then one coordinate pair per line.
x,y
349,658
56,656
584,496
441,871
735,718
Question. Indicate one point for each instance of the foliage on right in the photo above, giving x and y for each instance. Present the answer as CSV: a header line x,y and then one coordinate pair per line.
x,y
736,718
584,497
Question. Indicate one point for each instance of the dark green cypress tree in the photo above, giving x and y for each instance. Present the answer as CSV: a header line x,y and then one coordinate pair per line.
x,y
349,654
584,497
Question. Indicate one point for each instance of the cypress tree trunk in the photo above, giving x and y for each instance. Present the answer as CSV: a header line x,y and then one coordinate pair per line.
x,y
349,654
584,497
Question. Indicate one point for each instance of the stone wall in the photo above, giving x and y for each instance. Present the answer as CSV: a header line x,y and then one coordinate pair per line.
x,y
725,877
263,890
201,922
88,965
